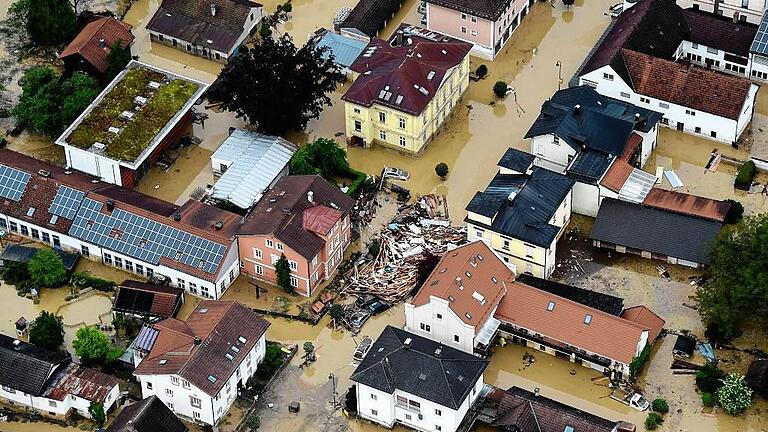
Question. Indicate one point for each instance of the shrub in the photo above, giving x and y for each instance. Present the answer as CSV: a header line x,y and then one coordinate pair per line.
x,y
638,362
350,400
709,378
283,271
660,406
15,273
374,248
336,311
253,422
482,71
360,180
708,399
288,7
441,170
273,359
500,88
653,420
84,280
735,213
734,395
745,175
46,269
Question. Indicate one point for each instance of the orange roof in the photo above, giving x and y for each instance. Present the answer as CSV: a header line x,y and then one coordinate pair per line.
x,y
88,41
645,317
684,203
320,219
617,175
606,335
471,278
632,144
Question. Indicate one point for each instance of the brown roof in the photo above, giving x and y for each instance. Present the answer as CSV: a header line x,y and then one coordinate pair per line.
x,y
645,317
606,335
720,32
217,325
88,42
158,300
684,203
83,382
687,85
320,219
281,212
473,276
633,143
488,9
617,175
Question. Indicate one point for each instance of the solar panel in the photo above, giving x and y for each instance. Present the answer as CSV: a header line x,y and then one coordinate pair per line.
x,y
66,202
12,183
760,43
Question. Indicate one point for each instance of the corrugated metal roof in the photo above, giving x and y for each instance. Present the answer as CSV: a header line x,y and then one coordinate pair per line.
x,y
256,161
637,186
345,50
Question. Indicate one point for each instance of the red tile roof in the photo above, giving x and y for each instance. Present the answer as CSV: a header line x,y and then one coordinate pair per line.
x,y
473,277
83,382
88,42
684,203
645,317
686,85
320,219
406,77
617,175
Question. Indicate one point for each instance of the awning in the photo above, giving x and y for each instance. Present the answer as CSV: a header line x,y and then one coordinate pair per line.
x,y
487,331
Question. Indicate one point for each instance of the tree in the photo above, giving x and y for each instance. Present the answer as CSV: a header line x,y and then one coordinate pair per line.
x,y
350,400
441,170
253,422
734,395
736,283
50,22
283,272
500,88
15,273
293,82
708,399
323,157
653,420
309,348
96,410
660,406
709,378
118,57
336,311
482,71
18,15
94,348
46,269
47,331
735,213
78,91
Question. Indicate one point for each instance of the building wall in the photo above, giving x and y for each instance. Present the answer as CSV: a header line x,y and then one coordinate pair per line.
x,y
752,10
106,169
552,152
55,408
423,321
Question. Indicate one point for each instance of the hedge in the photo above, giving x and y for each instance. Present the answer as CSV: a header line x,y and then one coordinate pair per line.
x,y
84,280
745,175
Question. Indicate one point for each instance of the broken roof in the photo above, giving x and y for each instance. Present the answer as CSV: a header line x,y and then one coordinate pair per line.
x,y
96,40
82,382
147,299
688,204
604,302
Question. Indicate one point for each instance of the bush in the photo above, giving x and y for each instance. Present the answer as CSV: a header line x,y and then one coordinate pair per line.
x,y
653,420
374,248
15,273
500,88
482,71
660,406
638,362
273,359
734,395
84,280
441,170
46,269
336,311
745,175
350,400
360,179
709,378
735,213
253,422
708,399
288,7
283,272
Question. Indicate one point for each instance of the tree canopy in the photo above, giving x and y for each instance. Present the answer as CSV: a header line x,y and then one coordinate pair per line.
x,y
94,348
734,395
96,410
736,281
118,57
46,269
46,22
283,272
276,85
323,157
47,331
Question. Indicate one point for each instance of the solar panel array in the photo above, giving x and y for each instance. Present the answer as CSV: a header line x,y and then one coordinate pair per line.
x,y
66,202
760,43
12,183
144,239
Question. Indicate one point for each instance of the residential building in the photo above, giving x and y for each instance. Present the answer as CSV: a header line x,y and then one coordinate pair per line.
x,y
368,18
124,131
737,10
487,24
758,52
405,89
248,164
148,301
48,383
192,246
305,218
90,49
196,367
650,56
345,50
522,213
599,142
147,415
419,383
671,226
456,303
213,29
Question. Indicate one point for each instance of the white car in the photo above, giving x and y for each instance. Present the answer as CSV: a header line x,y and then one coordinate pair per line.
x,y
395,174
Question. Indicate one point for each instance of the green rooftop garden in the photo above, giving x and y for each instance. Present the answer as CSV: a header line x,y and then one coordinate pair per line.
x,y
137,133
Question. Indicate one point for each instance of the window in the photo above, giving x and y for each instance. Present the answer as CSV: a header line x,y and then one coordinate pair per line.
x,y
193,288
690,112
505,245
280,247
555,140
712,50
189,48
3,224
129,265
149,386
293,265
587,319
175,380
35,234
694,45
551,306
150,273
473,19
408,416
473,32
663,105
24,230
373,396
118,262
456,338
217,56
463,29
425,327
180,283
231,275
86,252
382,135
644,100
257,253
139,269
697,129
259,270
175,42
438,412
624,95
15,228
269,243
374,412
438,428
358,126
463,17
46,236
107,259
8,390
196,414
357,110
56,241
169,392
160,37
382,117
529,251
401,122
294,282
52,403
607,76
439,316
713,134
402,141
274,259
479,232
204,291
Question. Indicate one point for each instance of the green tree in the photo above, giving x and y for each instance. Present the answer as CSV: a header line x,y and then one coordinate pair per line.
x,y
709,378
350,400
283,271
482,71
50,22
660,406
734,395
94,348
653,421
441,170
500,88
336,311
96,410
46,269
253,422
118,57
18,16
293,82
15,273
735,213
708,399
78,91
736,283
47,331
309,348
323,157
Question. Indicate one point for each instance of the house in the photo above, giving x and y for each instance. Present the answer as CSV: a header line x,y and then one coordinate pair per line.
x,y
405,89
522,213
213,29
22,254
124,131
487,24
345,50
419,383
650,56
249,164
305,218
737,10
197,366
758,52
456,304
147,300
679,235
192,246
49,383
607,303
90,49
147,415
517,409
368,18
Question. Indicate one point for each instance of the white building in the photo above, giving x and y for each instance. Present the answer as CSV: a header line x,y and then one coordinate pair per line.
x,y
419,383
197,366
740,10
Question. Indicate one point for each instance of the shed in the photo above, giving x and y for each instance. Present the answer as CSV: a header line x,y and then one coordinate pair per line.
x,y
345,50
757,377
368,18
89,51
684,346
22,254
146,299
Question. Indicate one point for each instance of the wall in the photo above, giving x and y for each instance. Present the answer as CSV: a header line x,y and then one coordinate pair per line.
x,y
752,13
443,329
552,152
83,160
451,22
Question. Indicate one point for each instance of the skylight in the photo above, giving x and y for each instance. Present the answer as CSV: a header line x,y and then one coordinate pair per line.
x,y
229,356
551,306
162,361
235,349
242,339
212,378
587,319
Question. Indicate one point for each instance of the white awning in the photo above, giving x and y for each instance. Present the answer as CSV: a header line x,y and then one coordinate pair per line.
x,y
487,331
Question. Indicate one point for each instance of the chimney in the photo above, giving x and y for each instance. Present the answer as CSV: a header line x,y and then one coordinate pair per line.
x,y
536,391
399,38
102,43
213,9
177,217
576,109
110,205
735,17
407,343
218,226
198,341
311,196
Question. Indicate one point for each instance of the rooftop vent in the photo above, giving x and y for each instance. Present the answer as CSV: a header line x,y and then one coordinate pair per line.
x,y
242,339
127,115
469,317
44,173
114,130
198,341
203,310
511,196
438,351
311,196
407,342
576,109
218,225
213,9
494,280
140,100
177,217
286,210
99,146
423,377
153,85
16,344
110,205
451,299
102,43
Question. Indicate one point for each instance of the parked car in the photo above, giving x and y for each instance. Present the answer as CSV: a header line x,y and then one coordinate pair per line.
x,y
377,307
364,300
363,349
359,318
395,174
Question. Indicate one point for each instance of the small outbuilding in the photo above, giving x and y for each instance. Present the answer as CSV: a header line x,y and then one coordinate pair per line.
x,y
22,254
142,299
757,377
89,51
684,346
344,50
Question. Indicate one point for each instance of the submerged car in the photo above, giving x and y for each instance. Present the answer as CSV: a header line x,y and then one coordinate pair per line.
x,y
377,306
395,174
359,318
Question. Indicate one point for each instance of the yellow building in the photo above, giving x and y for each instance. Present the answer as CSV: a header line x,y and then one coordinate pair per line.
x,y
522,214
405,89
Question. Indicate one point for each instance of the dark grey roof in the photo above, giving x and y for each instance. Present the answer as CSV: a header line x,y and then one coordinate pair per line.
x,y
23,254
586,96
489,9
589,165
148,415
685,344
526,217
604,302
516,160
655,230
444,377
370,16
27,368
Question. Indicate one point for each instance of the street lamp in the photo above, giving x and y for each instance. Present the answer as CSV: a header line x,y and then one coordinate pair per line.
x,y
332,377
559,73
